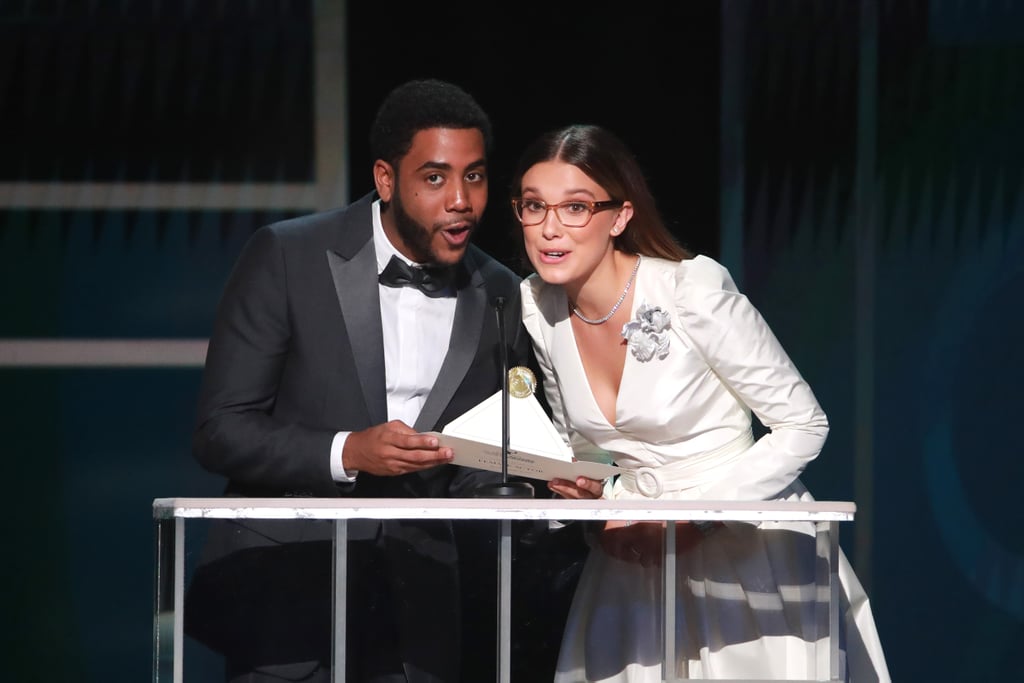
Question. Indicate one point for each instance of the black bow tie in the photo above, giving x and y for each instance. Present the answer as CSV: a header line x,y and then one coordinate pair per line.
x,y
432,281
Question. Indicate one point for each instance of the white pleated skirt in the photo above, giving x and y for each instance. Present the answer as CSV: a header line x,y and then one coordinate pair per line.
x,y
746,608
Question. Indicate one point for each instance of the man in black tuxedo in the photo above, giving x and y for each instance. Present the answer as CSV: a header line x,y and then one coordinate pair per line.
x,y
322,373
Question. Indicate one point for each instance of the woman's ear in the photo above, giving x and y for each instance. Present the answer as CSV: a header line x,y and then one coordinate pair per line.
x,y
622,219
384,179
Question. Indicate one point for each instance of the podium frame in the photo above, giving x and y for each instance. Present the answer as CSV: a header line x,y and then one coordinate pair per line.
x,y
170,514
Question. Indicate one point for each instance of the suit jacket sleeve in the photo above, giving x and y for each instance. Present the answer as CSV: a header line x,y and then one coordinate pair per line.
x,y
237,434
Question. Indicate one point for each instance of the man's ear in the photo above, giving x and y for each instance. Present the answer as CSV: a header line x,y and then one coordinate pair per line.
x,y
384,179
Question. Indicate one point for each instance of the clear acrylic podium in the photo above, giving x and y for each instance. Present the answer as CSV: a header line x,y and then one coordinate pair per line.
x,y
170,515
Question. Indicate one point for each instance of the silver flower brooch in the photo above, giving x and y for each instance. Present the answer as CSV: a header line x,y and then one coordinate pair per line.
x,y
647,336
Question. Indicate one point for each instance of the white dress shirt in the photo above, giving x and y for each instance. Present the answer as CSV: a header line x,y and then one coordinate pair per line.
x,y
416,330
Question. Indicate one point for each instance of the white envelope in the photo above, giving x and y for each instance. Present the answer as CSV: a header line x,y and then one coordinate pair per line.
x,y
536,450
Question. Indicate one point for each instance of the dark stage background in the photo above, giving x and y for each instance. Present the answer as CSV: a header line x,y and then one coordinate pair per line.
x,y
856,164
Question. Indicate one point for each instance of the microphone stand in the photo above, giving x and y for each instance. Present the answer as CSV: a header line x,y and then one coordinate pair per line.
x,y
505,488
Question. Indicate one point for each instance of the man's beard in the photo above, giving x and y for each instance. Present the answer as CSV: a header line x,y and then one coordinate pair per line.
x,y
416,236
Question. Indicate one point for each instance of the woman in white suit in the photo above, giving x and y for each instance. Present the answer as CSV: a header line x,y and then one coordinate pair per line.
x,y
653,358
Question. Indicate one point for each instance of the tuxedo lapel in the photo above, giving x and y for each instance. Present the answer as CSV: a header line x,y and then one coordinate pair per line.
x,y
354,271
470,308
353,265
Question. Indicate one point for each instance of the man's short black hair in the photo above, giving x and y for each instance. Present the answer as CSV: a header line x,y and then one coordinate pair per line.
x,y
418,105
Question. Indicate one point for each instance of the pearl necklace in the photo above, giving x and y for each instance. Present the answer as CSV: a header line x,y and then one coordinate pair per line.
x,y
604,319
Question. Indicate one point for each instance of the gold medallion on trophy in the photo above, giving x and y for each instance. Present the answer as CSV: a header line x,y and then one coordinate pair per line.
x,y
521,381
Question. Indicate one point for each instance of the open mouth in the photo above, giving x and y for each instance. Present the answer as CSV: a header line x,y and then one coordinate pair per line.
x,y
552,256
458,234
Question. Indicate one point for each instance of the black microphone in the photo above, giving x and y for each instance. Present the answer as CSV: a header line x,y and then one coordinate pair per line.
x,y
506,488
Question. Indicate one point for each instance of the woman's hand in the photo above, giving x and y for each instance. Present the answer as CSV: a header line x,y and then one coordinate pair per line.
x,y
580,489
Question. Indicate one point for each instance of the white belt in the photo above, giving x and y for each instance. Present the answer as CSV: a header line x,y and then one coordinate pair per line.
x,y
686,473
